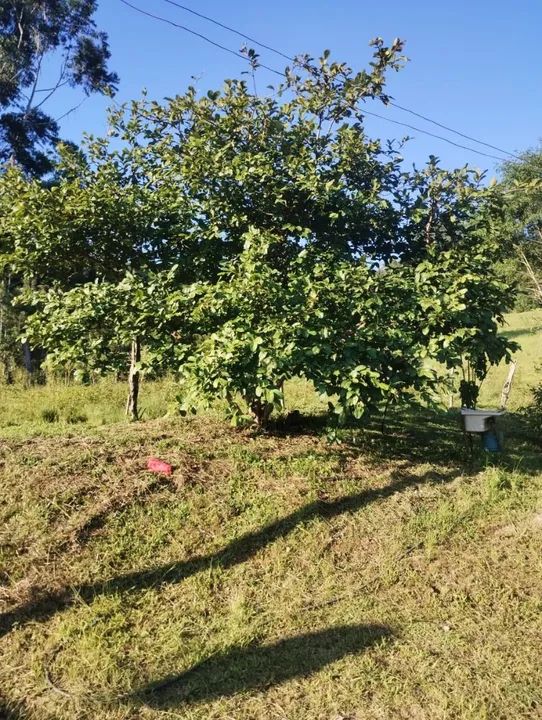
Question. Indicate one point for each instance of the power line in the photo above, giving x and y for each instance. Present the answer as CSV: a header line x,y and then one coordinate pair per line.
x,y
193,32
277,72
426,132
456,132
394,104
230,29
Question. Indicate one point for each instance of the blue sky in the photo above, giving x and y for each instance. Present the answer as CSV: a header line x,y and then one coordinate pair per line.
x,y
473,65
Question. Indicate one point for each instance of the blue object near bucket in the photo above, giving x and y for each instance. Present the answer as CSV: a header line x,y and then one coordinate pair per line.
x,y
490,441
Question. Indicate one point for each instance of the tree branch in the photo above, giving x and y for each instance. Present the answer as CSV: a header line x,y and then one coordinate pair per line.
x,y
59,84
20,28
531,273
35,85
41,90
71,110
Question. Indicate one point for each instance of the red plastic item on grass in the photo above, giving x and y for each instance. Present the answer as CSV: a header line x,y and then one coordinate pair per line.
x,y
159,466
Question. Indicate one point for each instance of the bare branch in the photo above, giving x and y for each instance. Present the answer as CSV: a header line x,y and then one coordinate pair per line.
x,y
35,85
62,80
73,109
58,85
537,285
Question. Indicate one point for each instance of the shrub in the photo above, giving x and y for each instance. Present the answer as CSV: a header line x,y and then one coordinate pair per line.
x,y
533,412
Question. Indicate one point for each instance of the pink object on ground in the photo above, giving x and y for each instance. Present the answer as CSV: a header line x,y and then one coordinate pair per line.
x,y
159,466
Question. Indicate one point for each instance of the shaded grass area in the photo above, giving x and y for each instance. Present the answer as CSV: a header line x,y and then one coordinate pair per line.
x,y
272,575
261,666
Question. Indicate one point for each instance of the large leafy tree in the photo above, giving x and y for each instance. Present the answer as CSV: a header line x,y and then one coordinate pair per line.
x,y
366,334
296,163
30,31
223,163
286,241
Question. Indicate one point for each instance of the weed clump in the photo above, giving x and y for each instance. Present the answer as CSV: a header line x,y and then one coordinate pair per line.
x,y
74,417
50,415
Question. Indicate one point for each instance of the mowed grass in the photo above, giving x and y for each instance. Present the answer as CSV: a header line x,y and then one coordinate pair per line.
x,y
276,575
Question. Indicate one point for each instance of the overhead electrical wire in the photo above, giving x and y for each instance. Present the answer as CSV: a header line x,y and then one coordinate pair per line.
x,y
426,132
230,29
450,129
392,103
193,32
288,57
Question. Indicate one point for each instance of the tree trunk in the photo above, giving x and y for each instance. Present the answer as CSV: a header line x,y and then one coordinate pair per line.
x,y
27,358
260,411
27,353
508,385
132,410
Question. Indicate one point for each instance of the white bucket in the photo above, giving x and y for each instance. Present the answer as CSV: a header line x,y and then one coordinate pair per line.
x,y
476,421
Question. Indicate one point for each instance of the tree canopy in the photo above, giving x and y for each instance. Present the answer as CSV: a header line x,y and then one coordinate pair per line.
x,y
239,240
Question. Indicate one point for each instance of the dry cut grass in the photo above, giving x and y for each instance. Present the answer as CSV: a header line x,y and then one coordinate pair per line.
x,y
271,576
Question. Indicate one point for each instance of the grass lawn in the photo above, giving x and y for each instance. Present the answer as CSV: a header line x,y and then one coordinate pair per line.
x,y
274,575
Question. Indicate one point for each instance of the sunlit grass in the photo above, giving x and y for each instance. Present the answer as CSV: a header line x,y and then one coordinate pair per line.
x,y
526,329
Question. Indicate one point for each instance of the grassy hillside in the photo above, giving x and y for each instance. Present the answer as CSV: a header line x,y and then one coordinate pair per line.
x,y
274,575
526,329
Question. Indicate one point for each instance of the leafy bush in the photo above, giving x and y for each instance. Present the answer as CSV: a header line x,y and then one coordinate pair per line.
x,y
533,412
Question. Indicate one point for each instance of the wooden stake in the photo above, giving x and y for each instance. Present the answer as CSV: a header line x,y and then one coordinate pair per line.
x,y
132,411
508,384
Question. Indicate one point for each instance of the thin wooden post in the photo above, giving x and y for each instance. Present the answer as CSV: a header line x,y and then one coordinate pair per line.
x,y
132,410
508,385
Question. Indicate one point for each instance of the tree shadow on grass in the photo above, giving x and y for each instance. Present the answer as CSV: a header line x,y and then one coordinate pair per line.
x,y
419,435
7,713
427,435
258,667
240,550
522,331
